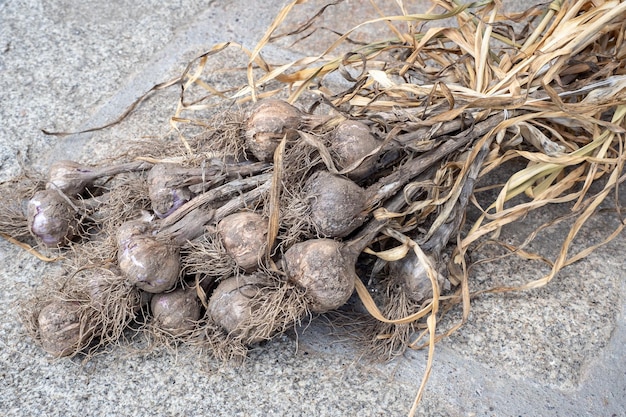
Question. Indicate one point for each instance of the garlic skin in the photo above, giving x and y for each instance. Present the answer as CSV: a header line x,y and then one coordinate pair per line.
x,y
168,188
270,120
51,218
167,201
324,270
59,327
350,141
133,228
413,278
148,263
69,177
244,236
176,312
336,204
230,304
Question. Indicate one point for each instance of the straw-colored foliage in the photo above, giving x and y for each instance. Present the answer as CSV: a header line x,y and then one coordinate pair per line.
x,y
546,86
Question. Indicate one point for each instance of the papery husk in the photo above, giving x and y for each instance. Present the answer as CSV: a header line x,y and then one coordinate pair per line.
x,y
174,318
149,263
324,269
53,219
350,143
254,308
244,236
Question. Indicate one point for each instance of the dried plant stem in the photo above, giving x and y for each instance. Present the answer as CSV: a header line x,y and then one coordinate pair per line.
x,y
216,194
389,185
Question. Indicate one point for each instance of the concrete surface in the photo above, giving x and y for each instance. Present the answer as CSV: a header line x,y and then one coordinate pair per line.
x,y
70,65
